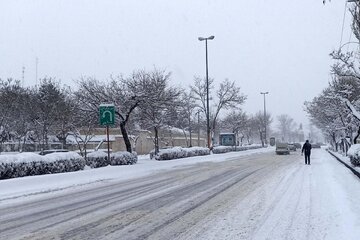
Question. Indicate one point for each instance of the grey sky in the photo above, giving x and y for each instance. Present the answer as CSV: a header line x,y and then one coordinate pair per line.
x,y
277,46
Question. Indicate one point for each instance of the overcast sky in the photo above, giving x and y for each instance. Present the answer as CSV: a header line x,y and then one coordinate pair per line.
x,y
277,46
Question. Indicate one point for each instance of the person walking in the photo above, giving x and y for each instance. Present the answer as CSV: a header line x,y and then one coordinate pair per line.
x,y
307,150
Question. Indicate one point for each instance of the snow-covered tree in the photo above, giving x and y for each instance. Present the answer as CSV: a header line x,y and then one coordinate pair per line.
x,y
228,97
285,125
158,103
48,109
183,117
122,92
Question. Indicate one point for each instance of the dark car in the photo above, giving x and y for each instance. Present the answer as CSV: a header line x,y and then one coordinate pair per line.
x,y
298,145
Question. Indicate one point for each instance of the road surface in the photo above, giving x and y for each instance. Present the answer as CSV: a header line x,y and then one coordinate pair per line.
x,y
264,196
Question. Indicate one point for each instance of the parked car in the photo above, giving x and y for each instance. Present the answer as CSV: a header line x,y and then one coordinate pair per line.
x,y
292,147
298,145
45,152
282,148
316,145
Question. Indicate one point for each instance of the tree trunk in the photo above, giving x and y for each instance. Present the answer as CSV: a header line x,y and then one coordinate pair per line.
x,y
126,137
334,141
190,136
186,139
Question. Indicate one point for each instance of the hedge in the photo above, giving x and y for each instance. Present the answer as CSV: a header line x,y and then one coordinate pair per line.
x,y
29,164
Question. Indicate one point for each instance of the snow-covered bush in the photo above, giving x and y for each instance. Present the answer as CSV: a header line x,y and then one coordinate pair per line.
x,y
222,149
64,162
353,153
28,164
225,149
123,158
196,151
97,159
179,152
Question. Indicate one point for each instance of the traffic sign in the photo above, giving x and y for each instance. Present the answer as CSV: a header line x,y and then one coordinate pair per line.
x,y
107,114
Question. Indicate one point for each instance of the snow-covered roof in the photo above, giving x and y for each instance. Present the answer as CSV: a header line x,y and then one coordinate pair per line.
x,y
95,138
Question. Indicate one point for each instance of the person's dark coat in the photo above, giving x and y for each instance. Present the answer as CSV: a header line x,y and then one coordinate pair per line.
x,y
306,148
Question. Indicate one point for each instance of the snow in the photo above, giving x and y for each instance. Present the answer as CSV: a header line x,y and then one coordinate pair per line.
x,y
16,188
61,156
354,150
95,138
29,157
97,154
305,202
319,201
21,157
179,152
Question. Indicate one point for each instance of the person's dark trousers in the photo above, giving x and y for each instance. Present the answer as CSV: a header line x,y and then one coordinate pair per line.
x,y
307,158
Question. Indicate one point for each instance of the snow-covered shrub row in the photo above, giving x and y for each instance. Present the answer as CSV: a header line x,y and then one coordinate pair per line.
x,y
225,149
123,158
222,149
97,159
353,154
179,152
28,164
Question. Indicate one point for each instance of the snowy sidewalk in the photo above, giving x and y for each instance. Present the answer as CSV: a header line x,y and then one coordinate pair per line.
x,y
346,161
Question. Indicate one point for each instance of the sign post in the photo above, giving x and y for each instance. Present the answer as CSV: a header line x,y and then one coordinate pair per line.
x,y
107,117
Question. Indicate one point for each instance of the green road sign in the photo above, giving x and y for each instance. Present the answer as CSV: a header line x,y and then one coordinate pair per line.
x,y
107,114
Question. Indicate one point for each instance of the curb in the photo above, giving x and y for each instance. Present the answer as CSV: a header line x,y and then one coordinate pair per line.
x,y
346,165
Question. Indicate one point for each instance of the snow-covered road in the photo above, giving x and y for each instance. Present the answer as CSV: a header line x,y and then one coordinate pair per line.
x,y
259,196
320,201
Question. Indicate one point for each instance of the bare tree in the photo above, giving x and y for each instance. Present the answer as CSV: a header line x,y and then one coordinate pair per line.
x,y
84,124
158,103
183,117
119,90
236,122
228,96
285,122
260,122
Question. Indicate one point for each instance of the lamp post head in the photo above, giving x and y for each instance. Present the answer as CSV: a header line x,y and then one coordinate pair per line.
x,y
208,38
264,92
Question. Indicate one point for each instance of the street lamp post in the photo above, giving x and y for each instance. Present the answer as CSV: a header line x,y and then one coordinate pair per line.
x,y
207,91
264,93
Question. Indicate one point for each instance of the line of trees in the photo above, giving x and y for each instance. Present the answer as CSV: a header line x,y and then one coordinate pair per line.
x,y
143,100
336,110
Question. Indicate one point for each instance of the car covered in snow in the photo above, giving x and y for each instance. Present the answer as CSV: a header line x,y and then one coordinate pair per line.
x,y
282,148
292,147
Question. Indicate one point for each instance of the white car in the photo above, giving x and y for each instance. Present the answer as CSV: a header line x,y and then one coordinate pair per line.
x,y
282,148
